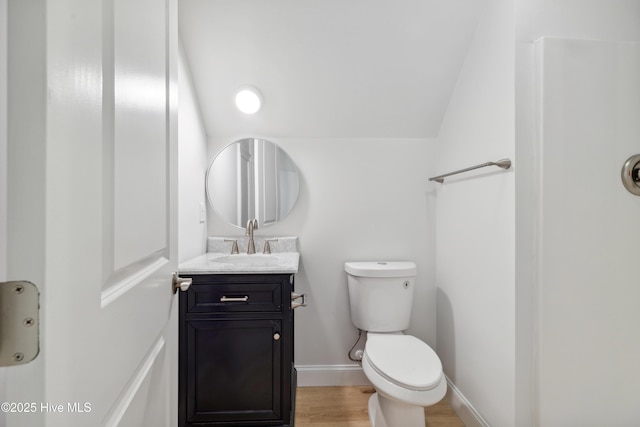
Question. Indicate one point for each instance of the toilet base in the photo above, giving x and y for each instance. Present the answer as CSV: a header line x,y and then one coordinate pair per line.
x,y
385,412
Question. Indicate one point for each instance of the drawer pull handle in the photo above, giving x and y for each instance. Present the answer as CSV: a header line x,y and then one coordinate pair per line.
x,y
231,299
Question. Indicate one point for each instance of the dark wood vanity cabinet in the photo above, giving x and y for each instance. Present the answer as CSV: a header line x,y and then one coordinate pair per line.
x,y
236,351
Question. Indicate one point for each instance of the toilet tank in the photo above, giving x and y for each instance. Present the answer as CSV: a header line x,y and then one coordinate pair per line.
x,y
381,294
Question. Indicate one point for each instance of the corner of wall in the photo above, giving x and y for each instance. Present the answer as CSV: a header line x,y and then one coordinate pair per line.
x,y
475,245
193,158
463,408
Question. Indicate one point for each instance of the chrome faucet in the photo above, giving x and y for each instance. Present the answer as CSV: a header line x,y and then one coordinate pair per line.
x,y
252,224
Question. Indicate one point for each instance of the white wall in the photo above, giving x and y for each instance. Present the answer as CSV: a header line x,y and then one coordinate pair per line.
x,y
192,166
360,199
475,263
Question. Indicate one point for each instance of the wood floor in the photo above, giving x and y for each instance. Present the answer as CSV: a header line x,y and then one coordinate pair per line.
x,y
347,407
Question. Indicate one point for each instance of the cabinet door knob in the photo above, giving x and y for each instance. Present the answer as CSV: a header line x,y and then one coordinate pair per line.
x,y
276,336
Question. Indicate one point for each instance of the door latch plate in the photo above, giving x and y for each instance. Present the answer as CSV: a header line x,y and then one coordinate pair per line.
x,y
19,323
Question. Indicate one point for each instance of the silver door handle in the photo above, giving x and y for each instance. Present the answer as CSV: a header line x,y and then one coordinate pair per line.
x,y
181,283
630,174
228,299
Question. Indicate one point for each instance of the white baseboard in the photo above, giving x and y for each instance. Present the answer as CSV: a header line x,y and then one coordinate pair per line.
x,y
330,375
463,408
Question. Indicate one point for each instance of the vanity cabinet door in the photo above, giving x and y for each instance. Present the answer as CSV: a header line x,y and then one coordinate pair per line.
x,y
234,368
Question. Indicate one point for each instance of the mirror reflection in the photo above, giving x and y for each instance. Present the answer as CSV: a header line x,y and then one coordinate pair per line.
x,y
252,178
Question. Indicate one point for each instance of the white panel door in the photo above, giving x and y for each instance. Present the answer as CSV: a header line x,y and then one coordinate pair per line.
x,y
589,98
93,209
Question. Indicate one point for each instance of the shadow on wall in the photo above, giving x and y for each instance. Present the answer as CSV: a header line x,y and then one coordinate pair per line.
x,y
445,334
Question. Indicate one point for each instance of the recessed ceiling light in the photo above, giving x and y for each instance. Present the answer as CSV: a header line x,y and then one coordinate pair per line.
x,y
248,99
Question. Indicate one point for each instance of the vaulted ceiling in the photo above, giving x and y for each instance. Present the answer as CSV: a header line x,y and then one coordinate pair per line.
x,y
327,68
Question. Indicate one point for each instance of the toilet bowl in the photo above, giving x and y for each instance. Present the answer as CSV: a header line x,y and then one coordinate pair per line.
x,y
405,371
407,375
404,368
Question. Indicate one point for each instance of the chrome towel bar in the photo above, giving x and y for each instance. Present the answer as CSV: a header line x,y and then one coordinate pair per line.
x,y
503,164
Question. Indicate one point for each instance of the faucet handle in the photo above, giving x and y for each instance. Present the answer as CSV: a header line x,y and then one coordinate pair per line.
x,y
267,246
234,247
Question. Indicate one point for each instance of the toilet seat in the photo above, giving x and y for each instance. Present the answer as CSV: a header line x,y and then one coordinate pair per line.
x,y
404,360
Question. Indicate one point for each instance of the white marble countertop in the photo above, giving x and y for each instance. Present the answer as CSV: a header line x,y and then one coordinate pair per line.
x,y
283,258
223,263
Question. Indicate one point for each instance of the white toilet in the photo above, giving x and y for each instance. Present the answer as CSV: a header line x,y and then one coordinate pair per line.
x,y
406,372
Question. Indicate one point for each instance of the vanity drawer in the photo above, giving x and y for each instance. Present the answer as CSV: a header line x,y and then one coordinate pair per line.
x,y
237,297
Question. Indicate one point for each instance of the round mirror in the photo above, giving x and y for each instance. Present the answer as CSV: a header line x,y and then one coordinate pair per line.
x,y
252,178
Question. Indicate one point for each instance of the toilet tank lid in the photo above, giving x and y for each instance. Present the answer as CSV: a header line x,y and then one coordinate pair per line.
x,y
381,268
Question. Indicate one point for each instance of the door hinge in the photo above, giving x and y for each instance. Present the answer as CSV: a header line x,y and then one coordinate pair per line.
x,y
19,323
